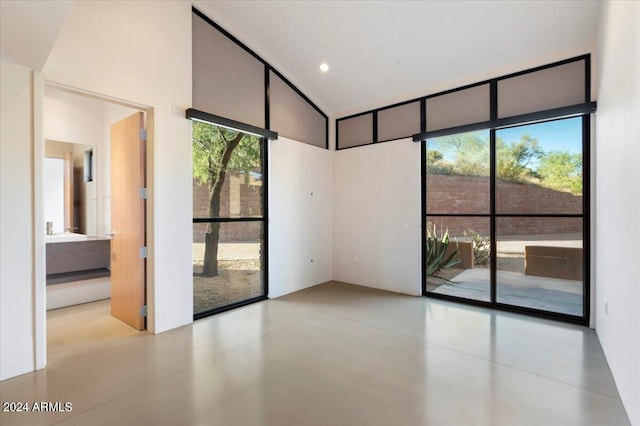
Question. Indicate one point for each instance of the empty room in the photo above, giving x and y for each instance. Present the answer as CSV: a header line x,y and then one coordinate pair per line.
x,y
319,212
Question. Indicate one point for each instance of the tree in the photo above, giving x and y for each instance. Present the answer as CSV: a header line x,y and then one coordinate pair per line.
x,y
562,171
471,154
436,164
217,150
515,162
464,154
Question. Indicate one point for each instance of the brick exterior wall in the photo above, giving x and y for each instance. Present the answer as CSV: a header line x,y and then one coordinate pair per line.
x,y
470,195
445,194
237,198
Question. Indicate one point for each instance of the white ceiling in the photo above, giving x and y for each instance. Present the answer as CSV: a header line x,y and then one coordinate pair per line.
x,y
379,52
386,51
29,29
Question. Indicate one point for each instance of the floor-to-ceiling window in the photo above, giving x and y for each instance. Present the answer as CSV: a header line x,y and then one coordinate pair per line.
x,y
229,225
505,217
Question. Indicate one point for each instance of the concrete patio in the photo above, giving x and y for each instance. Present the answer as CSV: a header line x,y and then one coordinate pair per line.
x,y
514,288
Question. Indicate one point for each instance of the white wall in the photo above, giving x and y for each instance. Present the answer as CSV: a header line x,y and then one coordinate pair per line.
x,y
54,194
300,223
78,120
141,52
71,118
376,216
16,222
618,198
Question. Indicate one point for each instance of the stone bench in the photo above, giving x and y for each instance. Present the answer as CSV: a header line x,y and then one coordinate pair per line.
x,y
554,262
465,254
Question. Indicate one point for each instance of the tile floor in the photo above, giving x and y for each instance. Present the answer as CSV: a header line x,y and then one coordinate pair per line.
x,y
335,354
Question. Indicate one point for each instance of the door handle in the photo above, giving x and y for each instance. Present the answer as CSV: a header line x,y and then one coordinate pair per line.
x,y
110,234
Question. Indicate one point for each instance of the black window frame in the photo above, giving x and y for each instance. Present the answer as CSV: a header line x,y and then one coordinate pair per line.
x,y
267,68
264,146
492,215
494,122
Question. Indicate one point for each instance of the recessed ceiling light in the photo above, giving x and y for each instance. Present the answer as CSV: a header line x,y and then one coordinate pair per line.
x,y
324,67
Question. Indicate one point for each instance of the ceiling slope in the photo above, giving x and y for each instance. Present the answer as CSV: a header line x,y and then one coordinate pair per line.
x,y
29,29
385,51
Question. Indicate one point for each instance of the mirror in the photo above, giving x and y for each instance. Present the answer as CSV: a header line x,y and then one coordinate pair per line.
x,y
70,184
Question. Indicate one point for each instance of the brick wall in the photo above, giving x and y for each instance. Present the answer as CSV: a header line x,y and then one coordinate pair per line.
x,y
445,194
470,195
237,198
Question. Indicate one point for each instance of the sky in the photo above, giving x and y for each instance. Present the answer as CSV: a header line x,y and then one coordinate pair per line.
x,y
559,135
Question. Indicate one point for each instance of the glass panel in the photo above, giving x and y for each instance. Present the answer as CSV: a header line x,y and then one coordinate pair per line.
x,y
355,131
458,174
461,267
539,168
227,173
399,122
228,263
292,116
458,108
227,80
554,87
540,263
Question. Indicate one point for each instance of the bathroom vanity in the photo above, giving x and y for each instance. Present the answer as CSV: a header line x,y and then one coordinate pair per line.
x,y
77,271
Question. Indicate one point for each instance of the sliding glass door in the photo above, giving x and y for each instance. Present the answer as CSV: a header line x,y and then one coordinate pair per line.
x,y
458,189
229,225
505,218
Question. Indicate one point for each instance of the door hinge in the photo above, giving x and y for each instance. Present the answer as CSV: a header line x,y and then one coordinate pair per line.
x,y
143,310
143,252
143,134
143,193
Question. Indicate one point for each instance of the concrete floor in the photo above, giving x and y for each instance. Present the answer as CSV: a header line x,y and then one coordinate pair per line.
x,y
334,354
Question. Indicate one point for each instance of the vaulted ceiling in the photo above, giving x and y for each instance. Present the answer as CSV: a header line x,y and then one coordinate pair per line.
x,y
29,29
378,52
385,51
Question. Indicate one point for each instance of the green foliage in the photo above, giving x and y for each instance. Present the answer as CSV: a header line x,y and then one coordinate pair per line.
x,y
562,171
515,160
217,151
466,154
522,161
481,247
437,246
211,143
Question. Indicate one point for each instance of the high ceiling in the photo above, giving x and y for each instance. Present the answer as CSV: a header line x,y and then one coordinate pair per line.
x,y
378,52
386,51
29,29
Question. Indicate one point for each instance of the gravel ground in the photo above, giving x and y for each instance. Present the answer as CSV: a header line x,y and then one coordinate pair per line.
x,y
237,280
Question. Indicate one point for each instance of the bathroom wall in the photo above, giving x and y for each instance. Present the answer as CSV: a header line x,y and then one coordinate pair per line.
x,y
54,193
78,120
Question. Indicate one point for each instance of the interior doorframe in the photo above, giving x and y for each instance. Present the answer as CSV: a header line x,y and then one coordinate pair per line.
x,y
38,249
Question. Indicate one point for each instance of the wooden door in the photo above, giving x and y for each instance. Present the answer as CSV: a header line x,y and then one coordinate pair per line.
x,y
128,221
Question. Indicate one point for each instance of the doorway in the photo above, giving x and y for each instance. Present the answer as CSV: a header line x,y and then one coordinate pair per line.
x,y
95,261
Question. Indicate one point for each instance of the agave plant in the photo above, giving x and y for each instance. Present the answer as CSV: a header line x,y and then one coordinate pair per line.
x,y
481,247
437,246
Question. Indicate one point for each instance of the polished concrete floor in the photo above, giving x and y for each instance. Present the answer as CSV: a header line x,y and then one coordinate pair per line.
x,y
335,354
